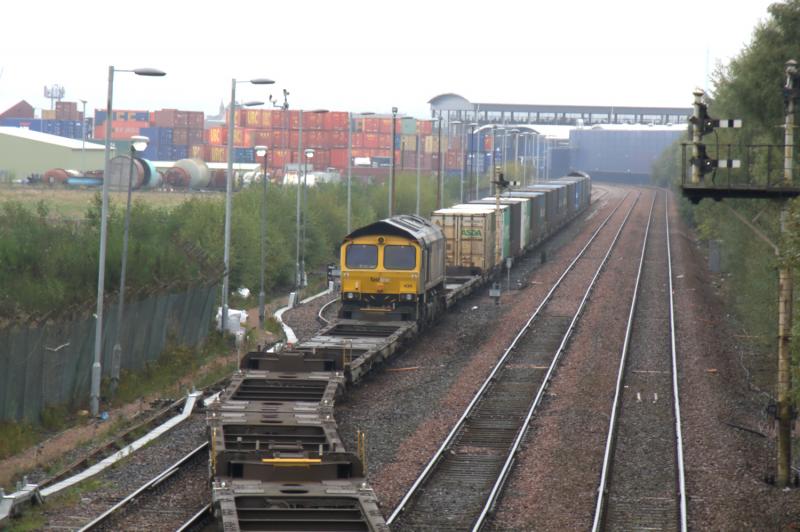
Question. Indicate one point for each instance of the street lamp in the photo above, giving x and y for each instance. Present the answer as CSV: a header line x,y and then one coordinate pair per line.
x,y
229,192
261,151
439,187
138,144
101,269
391,169
515,131
350,117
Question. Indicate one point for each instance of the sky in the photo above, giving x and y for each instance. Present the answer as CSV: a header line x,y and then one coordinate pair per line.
x,y
371,55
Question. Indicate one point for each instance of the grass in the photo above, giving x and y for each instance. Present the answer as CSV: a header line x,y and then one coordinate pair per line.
x,y
34,518
15,437
72,204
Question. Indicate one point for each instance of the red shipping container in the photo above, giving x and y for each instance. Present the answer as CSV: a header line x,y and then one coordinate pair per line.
x,y
312,121
371,140
294,138
262,137
379,153
196,119
385,125
360,152
181,119
339,158
279,138
338,139
424,127
359,140
165,118
267,117
294,119
372,125
334,120
385,141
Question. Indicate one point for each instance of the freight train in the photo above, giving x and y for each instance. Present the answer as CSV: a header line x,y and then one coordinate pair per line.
x,y
276,459
397,268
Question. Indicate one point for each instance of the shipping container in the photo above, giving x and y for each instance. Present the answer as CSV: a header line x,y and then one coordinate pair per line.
x,y
158,135
49,115
195,136
470,248
197,151
180,136
336,121
385,125
339,158
196,120
371,125
217,154
424,127
218,136
538,212
338,138
408,126
520,219
506,224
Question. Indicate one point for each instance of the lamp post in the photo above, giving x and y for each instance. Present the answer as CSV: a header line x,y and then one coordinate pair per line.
x,y
494,149
261,151
350,117
524,157
515,131
457,123
300,197
309,154
439,187
229,193
475,151
138,144
83,137
391,169
101,269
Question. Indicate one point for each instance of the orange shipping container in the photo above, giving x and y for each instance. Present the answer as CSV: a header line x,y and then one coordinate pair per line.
x,y
197,151
253,118
371,140
385,141
312,120
262,137
385,125
217,154
338,139
218,136
424,127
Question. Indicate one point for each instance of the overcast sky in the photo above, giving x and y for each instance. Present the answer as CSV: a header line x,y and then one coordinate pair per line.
x,y
370,55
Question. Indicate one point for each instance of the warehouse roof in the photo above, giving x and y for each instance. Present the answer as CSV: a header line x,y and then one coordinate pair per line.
x,y
47,138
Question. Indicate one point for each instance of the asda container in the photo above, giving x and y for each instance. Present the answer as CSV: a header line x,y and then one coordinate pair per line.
x,y
505,221
470,239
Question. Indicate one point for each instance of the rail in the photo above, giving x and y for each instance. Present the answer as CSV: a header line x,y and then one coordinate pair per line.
x,y
602,490
152,483
422,478
322,310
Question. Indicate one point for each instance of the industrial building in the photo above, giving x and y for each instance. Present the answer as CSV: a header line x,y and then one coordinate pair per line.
x,y
27,152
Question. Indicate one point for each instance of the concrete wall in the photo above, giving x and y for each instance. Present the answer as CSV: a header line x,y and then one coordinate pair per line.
x,y
20,157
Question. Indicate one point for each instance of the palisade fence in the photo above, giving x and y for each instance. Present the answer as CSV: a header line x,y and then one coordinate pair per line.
x,y
49,364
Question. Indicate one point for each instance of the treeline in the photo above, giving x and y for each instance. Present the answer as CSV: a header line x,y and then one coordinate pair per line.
x,y
750,88
49,268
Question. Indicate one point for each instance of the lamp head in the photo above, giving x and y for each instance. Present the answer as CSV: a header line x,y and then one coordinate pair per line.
x,y
261,81
149,72
309,152
261,151
139,143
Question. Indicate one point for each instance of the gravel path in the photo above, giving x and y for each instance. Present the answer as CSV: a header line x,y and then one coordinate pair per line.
x,y
415,401
70,513
303,319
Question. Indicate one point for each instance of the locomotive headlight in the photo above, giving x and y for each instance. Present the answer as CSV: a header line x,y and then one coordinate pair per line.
x,y
349,295
409,297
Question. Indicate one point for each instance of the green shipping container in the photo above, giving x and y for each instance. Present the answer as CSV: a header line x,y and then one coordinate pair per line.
x,y
409,126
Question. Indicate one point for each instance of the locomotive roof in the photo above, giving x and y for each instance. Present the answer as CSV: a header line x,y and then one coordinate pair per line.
x,y
406,225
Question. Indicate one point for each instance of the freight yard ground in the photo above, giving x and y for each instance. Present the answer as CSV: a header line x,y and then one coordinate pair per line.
x,y
72,204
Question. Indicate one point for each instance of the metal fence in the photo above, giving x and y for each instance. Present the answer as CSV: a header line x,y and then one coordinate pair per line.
x,y
49,364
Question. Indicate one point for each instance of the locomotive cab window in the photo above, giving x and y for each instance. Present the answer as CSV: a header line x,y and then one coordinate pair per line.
x,y
399,257
362,256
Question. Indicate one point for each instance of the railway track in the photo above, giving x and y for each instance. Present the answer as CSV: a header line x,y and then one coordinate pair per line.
x,y
459,486
642,481
170,497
